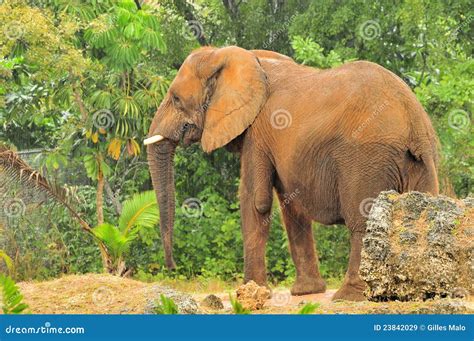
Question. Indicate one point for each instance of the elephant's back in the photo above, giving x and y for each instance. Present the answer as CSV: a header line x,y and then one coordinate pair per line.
x,y
357,104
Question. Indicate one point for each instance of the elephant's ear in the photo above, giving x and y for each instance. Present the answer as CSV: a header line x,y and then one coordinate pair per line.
x,y
239,90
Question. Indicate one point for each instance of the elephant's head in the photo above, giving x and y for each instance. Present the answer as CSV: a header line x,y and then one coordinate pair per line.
x,y
215,96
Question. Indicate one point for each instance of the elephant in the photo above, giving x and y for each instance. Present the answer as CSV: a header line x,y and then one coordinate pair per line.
x,y
325,141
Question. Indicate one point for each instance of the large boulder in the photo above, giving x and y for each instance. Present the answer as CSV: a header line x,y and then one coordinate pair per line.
x,y
418,247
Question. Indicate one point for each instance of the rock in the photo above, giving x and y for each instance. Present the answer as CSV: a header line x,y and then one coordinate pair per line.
x,y
213,302
185,303
418,247
445,306
252,296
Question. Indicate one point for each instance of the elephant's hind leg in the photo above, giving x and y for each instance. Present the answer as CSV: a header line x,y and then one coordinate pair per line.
x,y
302,249
353,287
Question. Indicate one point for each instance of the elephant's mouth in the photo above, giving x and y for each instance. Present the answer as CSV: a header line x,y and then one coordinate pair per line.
x,y
191,134
186,135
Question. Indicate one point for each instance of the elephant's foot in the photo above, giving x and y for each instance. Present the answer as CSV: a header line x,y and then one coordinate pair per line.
x,y
351,291
308,286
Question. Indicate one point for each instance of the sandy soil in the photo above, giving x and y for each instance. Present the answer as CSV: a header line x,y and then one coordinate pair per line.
x,y
106,294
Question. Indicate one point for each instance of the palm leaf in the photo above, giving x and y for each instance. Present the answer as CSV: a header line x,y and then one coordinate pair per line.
x,y
12,300
17,171
117,243
141,210
8,261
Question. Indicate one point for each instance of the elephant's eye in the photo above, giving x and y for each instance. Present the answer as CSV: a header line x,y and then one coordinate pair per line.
x,y
176,100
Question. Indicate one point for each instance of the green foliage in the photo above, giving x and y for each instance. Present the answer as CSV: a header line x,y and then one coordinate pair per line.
x,y
139,212
11,297
309,308
166,307
311,53
237,307
8,261
125,34
116,60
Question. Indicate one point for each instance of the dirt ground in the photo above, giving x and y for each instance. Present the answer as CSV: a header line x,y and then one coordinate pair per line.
x,y
105,294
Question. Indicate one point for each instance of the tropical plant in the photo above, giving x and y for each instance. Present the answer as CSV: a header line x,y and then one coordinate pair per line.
x,y
309,308
8,261
166,307
139,212
11,296
17,172
12,299
237,307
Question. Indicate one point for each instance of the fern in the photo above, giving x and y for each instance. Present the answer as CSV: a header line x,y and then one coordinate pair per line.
x,y
166,307
309,308
11,296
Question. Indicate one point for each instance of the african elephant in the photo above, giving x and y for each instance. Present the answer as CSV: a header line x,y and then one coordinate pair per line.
x,y
325,141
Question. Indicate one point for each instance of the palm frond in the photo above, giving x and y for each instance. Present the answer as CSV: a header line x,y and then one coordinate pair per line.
x,y
117,243
12,299
140,210
8,261
15,171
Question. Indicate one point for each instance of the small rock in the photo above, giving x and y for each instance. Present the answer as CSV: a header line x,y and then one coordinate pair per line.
x,y
252,296
213,302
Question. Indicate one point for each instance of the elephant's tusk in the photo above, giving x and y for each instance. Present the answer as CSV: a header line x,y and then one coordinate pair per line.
x,y
153,139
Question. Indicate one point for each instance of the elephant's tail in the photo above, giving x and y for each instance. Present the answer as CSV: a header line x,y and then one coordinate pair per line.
x,y
424,147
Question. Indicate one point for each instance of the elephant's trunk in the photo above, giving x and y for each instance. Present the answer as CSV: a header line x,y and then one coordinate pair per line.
x,y
160,160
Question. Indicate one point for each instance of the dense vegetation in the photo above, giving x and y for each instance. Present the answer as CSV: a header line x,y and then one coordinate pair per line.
x,y
80,81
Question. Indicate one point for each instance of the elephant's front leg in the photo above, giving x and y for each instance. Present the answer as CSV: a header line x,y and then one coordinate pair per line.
x,y
256,198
